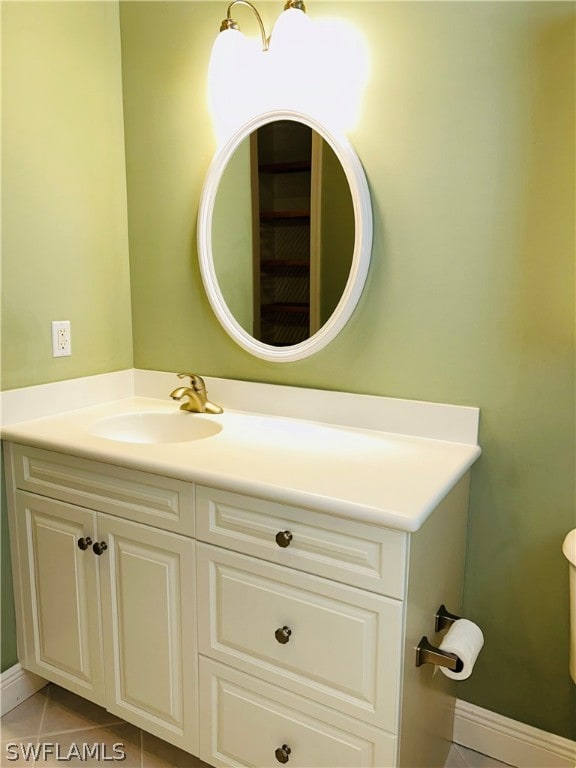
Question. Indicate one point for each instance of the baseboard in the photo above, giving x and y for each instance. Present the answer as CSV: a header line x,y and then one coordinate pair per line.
x,y
509,741
17,685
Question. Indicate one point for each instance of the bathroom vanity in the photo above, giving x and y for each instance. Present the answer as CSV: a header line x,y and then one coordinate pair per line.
x,y
254,597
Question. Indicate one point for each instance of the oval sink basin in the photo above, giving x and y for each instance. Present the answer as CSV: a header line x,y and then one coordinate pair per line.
x,y
148,427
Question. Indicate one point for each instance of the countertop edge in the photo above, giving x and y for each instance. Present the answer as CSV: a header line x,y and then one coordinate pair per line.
x,y
380,517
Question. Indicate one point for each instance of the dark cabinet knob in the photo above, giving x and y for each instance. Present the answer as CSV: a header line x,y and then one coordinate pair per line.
x,y
99,547
283,538
283,753
84,543
282,634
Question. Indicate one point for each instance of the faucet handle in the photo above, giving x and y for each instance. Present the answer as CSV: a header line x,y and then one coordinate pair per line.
x,y
196,382
199,386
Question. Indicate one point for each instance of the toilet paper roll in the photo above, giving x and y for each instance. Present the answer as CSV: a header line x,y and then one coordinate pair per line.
x,y
465,639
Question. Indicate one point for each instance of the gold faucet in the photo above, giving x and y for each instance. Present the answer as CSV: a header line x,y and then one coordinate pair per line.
x,y
196,397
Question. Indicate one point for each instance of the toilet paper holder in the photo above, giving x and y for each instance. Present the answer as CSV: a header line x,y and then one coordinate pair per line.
x,y
444,619
426,653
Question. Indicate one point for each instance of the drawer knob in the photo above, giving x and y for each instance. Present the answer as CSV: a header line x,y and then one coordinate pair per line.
x,y
84,543
283,538
99,547
282,634
283,753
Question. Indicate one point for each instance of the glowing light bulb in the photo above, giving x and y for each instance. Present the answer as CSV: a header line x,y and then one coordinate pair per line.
x,y
291,58
343,70
227,72
291,31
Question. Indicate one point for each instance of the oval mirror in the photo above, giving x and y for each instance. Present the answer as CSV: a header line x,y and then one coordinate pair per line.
x,y
284,235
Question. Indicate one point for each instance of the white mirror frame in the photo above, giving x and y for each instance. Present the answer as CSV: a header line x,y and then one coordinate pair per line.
x,y
360,258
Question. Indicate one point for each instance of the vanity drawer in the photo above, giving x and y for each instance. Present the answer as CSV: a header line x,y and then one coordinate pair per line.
x,y
349,551
335,644
245,721
162,502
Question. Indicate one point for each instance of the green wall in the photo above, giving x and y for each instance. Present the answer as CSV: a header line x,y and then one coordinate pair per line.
x,y
467,141
64,230
64,223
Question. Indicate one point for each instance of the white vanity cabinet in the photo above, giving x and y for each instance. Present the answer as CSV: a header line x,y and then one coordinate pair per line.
x,y
245,631
106,605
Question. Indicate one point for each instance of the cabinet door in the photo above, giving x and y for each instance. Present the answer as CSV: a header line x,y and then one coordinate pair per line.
x,y
60,615
148,612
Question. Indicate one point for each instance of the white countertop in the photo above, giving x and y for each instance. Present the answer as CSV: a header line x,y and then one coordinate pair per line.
x,y
380,477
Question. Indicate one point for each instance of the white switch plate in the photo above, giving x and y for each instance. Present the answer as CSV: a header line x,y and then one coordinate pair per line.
x,y
61,338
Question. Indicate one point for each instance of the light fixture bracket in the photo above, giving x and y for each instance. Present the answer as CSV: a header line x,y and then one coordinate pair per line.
x,y
297,4
230,23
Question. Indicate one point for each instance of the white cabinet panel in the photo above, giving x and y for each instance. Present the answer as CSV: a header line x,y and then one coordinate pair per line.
x,y
247,722
162,502
332,643
148,584
62,614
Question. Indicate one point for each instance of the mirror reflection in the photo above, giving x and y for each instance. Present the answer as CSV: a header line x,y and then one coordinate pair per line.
x,y
283,232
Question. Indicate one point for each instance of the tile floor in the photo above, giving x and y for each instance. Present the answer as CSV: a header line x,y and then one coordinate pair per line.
x,y
53,720
460,757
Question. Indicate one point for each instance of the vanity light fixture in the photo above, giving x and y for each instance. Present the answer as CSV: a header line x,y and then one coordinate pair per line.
x,y
317,68
244,73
